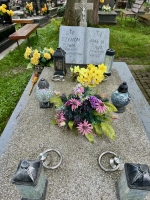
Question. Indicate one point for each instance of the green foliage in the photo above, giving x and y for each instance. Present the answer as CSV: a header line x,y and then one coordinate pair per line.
x,y
14,76
57,101
90,137
56,24
108,130
61,11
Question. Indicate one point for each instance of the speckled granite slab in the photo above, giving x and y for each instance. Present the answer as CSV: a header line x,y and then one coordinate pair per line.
x,y
79,176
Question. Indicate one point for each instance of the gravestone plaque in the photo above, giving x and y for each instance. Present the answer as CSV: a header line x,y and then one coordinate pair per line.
x,y
84,45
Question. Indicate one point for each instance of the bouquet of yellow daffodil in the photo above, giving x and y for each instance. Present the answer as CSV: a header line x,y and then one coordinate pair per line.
x,y
4,11
29,7
90,76
37,57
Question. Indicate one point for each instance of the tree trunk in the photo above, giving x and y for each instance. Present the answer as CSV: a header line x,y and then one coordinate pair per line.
x,y
95,11
71,18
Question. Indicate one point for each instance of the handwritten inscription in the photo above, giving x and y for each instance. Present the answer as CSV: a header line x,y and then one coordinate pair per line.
x,y
84,45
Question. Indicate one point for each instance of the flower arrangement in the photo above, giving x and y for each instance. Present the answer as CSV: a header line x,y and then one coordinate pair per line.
x,y
106,8
90,76
44,10
4,11
29,7
84,112
37,57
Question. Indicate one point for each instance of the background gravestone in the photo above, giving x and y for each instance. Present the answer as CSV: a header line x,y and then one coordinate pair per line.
x,y
37,4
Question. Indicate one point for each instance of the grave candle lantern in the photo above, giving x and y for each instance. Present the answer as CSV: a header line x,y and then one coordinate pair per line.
x,y
120,97
59,63
43,93
134,182
109,58
30,180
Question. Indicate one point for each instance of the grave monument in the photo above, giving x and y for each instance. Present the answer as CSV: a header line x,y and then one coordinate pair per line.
x,y
84,45
6,28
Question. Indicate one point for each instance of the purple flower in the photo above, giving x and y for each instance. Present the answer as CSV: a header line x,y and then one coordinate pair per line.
x,y
93,100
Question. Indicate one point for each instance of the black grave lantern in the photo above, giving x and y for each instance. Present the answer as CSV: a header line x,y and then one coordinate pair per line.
x,y
59,62
134,182
30,180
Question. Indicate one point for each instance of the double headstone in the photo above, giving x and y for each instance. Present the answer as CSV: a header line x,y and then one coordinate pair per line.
x,y
84,45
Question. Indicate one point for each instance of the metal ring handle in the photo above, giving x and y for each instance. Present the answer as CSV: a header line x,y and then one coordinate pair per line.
x,y
56,166
99,161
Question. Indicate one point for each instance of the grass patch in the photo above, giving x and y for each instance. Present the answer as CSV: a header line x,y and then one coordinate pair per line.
x,y
131,43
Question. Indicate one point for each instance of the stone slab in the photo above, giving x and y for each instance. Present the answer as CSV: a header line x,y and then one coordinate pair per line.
x,y
107,17
79,176
84,45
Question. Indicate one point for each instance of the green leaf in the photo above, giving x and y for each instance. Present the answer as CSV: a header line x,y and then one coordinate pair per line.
x,y
90,137
108,130
97,129
57,101
110,107
70,124
43,60
30,66
53,122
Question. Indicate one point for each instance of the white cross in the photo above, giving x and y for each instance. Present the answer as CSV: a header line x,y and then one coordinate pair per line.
x,y
84,6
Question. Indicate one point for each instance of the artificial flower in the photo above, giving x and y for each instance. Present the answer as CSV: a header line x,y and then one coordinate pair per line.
x,y
90,76
84,127
84,112
106,8
3,10
38,57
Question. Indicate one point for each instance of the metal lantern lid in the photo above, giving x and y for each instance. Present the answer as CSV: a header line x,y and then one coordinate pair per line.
x,y
138,176
27,173
59,53
110,52
43,83
123,88
44,91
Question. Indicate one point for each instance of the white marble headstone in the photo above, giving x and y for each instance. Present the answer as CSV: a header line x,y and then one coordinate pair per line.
x,y
84,45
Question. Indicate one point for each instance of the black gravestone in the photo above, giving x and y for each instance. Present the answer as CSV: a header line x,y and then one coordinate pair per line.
x,y
5,19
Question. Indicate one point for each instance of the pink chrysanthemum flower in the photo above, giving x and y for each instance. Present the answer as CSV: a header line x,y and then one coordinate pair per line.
x,y
78,90
84,127
74,103
60,117
100,107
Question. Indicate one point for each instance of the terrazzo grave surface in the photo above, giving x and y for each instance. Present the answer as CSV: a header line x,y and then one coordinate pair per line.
x,y
79,176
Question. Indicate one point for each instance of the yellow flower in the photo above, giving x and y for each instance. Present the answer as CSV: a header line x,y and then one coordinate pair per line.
x,y
51,51
36,54
34,61
47,56
102,67
4,10
4,6
76,69
101,1
27,53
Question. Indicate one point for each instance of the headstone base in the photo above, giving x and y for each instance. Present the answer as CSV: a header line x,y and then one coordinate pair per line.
x,y
107,17
84,24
